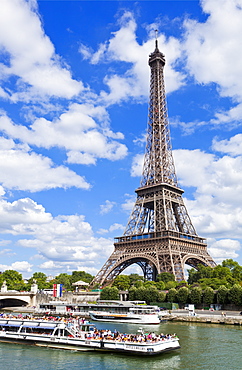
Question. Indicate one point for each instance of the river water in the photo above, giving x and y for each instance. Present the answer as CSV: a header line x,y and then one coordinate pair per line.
x,y
203,346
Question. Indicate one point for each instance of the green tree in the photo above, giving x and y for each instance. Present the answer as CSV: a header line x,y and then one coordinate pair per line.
x,y
151,294
81,275
165,276
230,263
64,279
149,283
139,284
140,294
171,295
208,296
221,272
109,293
196,295
170,284
122,282
161,297
201,273
160,285
134,278
13,279
222,294
182,295
40,279
235,294
132,293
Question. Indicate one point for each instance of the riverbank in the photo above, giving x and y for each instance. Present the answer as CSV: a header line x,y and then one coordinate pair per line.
x,y
216,317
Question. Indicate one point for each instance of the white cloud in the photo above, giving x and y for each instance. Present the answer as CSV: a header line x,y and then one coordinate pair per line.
x,y
25,170
123,47
217,182
224,249
82,130
232,146
31,54
128,205
22,216
20,266
68,238
213,52
137,165
107,207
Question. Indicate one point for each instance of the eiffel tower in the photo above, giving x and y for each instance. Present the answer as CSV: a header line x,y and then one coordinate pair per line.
x,y
159,236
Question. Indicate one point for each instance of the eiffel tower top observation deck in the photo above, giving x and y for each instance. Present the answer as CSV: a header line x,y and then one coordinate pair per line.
x,y
159,236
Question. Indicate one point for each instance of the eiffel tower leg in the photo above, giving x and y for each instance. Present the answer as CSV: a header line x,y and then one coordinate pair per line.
x,y
149,270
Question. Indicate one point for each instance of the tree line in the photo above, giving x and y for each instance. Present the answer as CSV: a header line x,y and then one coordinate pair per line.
x,y
15,281
221,284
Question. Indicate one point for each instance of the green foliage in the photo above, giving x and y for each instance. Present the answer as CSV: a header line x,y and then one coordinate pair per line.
x,y
161,297
196,295
40,279
135,278
151,294
13,279
208,296
122,282
132,294
64,279
170,284
160,285
139,284
171,295
81,275
148,284
109,293
235,294
165,276
182,295
222,294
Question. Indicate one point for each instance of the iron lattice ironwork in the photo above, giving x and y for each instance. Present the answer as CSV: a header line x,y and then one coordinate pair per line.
x,y
159,236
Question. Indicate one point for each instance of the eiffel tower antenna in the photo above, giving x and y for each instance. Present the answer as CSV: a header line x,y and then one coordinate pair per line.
x,y
159,235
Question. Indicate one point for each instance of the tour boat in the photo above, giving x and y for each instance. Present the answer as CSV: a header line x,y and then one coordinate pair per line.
x,y
137,315
82,336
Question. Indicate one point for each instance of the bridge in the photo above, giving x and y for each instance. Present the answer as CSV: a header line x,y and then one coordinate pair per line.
x,y
12,298
16,299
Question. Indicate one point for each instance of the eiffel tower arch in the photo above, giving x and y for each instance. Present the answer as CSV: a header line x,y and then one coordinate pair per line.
x,y
159,235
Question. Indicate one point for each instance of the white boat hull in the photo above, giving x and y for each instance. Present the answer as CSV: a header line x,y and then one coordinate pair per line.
x,y
76,344
125,318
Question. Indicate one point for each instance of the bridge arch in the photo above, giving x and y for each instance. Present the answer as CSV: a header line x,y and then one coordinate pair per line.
x,y
12,302
147,264
194,260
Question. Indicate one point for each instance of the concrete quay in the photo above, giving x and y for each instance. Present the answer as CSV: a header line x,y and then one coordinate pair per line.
x,y
207,317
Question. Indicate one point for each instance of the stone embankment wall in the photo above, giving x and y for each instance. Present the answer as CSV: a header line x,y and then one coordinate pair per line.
x,y
208,319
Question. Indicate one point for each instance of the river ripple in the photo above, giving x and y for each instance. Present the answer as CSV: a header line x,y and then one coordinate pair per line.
x,y
203,346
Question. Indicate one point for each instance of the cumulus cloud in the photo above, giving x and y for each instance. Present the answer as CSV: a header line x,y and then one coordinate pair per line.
x,y
215,209
212,51
23,169
21,266
76,130
107,207
31,54
123,47
68,239
232,146
137,165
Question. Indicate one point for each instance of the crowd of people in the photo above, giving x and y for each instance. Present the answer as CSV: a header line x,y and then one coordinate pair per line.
x,y
84,329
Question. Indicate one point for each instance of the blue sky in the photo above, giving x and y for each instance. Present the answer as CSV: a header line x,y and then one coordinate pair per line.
x,y
74,100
